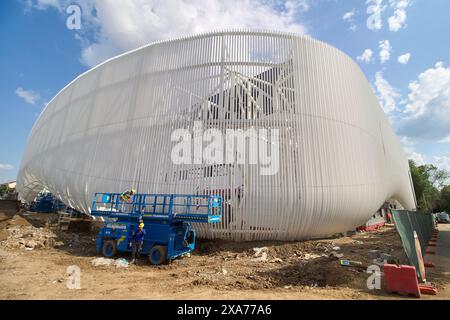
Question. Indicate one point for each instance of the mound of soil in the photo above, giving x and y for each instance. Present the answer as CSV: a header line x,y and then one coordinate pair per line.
x,y
17,232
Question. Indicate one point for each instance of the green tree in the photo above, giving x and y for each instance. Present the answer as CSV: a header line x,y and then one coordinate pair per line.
x,y
445,199
436,176
3,189
426,179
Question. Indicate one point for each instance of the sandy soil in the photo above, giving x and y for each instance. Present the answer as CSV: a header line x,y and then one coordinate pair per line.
x,y
216,270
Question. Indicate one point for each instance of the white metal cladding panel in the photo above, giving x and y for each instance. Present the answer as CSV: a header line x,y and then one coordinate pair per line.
x,y
109,130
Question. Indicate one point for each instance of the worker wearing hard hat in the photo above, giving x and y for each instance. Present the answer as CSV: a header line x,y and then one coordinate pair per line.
x,y
127,195
137,241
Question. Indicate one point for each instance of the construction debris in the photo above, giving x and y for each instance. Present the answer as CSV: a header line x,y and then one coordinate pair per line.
x,y
21,234
374,254
379,262
118,263
336,255
17,220
260,254
389,258
121,263
309,256
102,262
350,263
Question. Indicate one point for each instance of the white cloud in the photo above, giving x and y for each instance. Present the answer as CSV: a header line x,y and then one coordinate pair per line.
x,y
385,50
404,58
442,162
348,17
398,20
410,151
293,6
418,158
432,84
29,96
409,146
374,9
119,26
44,4
6,166
427,113
445,140
387,95
366,56
41,4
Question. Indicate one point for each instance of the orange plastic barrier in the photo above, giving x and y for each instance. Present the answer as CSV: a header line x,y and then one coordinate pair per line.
x,y
401,279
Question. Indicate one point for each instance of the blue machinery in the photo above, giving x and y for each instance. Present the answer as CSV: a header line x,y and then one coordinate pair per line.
x,y
46,202
166,218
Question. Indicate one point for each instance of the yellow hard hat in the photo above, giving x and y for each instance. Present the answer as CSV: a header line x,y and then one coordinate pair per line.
x,y
141,225
133,191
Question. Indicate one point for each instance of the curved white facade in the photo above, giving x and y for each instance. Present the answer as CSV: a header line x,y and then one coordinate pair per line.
x,y
110,130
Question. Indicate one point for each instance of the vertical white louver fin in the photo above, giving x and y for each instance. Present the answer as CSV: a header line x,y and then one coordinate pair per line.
x,y
338,159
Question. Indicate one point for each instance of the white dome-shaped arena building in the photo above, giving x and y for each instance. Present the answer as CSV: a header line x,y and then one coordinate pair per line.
x,y
337,158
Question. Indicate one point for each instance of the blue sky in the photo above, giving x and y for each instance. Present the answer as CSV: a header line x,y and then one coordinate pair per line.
x,y
40,54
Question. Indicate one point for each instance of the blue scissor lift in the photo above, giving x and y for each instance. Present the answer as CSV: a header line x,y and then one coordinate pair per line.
x,y
166,218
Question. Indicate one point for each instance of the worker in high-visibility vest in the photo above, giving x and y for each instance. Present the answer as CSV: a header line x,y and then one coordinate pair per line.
x,y
137,241
127,195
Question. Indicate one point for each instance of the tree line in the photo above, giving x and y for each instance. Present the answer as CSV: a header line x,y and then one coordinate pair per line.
x,y
432,187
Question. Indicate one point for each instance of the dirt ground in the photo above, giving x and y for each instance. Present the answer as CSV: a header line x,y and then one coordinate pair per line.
x,y
216,270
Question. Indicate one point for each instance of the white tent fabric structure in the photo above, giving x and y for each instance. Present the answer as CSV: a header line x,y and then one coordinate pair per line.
x,y
110,130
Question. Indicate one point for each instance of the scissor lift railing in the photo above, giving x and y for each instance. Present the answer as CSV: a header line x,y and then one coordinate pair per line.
x,y
193,208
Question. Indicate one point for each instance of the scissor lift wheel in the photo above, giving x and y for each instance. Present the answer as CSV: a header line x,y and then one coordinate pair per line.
x,y
109,249
158,255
